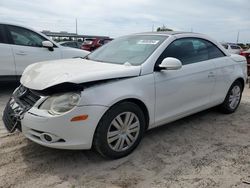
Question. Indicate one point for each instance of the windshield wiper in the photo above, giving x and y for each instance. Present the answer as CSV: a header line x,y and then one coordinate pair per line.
x,y
92,59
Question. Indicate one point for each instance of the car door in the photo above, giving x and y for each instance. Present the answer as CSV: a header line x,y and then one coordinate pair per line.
x,y
27,48
7,64
187,90
225,68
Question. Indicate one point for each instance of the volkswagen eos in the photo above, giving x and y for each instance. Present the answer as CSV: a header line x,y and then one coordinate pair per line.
x,y
134,83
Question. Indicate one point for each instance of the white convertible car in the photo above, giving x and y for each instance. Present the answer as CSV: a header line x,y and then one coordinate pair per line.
x,y
132,84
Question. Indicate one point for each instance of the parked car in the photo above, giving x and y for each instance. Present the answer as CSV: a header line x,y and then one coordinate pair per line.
x,y
232,48
21,46
71,44
247,55
132,84
91,44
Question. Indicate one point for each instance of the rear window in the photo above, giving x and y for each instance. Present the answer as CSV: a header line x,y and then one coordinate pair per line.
x,y
235,47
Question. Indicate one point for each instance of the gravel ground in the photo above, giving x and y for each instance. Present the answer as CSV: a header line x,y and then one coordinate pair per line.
x,y
207,149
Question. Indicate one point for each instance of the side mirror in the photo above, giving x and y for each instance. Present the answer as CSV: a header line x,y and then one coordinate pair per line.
x,y
48,44
170,63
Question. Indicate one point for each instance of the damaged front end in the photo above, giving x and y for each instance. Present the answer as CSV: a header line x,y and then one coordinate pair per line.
x,y
20,102
23,99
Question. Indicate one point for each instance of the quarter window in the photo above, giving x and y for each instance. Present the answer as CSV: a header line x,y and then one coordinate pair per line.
x,y
25,37
191,50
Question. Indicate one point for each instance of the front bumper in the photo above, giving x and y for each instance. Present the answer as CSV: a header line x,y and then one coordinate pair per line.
x,y
66,134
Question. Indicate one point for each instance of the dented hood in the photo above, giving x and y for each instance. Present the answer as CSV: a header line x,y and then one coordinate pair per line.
x,y
43,75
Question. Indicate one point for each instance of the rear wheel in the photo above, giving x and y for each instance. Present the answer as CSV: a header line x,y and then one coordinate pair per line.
x,y
232,99
120,130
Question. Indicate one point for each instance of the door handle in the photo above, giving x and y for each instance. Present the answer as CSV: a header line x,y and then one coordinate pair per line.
x,y
211,75
21,53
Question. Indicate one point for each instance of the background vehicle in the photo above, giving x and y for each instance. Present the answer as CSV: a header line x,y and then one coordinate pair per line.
x,y
71,44
21,46
247,55
232,48
146,80
91,44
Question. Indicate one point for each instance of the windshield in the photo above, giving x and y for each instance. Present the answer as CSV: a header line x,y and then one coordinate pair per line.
x,y
129,49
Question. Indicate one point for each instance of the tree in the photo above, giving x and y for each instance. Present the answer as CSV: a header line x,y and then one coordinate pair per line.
x,y
163,28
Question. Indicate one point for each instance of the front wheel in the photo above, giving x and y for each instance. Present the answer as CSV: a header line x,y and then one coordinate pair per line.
x,y
232,99
120,130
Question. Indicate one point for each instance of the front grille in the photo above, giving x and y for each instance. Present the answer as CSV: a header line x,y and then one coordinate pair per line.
x,y
10,119
22,100
25,97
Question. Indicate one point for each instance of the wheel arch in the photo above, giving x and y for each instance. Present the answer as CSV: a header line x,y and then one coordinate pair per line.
x,y
141,105
225,107
242,81
136,101
99,142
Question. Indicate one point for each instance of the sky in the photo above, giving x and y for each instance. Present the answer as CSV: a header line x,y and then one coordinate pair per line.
x,y
220,19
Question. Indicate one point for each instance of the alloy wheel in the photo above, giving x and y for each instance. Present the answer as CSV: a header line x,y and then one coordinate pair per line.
x,y
234,97
123,131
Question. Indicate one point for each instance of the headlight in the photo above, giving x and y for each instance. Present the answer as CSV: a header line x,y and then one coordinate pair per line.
x,y
59,104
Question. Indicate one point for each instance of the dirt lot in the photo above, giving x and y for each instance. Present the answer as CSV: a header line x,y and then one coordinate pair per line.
x,y
204,150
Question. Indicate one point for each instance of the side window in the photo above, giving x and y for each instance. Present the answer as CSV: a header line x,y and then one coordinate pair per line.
x,y
214,51
201,50
191,50
25,37
3,38
187,50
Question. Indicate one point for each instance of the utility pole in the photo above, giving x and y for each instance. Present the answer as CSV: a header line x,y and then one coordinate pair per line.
x,y
153,28
238,36
76,25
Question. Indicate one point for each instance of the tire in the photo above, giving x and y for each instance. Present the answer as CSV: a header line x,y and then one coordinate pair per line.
x,y
232,99
113,137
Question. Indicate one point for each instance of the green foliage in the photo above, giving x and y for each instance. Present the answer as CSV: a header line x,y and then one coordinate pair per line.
x,y
163,28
